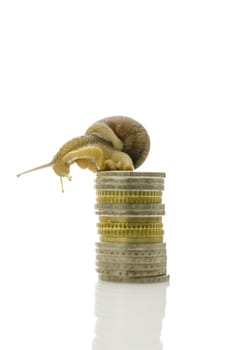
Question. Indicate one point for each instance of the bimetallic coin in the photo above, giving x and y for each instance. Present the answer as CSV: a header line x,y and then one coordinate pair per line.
x,y
151,279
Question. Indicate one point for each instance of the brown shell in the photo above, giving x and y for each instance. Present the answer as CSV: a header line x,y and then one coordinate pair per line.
x,y
136,141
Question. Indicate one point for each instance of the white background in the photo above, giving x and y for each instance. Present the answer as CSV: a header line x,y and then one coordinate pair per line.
x,y
63,66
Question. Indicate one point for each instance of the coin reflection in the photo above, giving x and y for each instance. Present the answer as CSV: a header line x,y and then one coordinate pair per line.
x,y
129,316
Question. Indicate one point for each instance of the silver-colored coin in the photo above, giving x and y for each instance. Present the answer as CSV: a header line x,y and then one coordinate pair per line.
x,y
139,259
135,174
155,272
125,180
130,259
130,209
131,253
129,180
151,279
138,184
131,246
132,182
130,267
120,186
129,185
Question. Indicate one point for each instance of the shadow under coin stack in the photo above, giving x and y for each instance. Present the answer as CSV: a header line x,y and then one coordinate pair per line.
x,y
130,228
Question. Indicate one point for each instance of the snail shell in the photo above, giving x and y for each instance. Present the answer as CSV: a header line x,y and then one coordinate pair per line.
x,y
134,138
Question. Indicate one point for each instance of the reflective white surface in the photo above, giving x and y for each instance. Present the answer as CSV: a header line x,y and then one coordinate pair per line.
x,y
64,65
129,317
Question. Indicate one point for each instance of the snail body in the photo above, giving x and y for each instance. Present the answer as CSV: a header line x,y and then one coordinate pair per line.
x,y
113,143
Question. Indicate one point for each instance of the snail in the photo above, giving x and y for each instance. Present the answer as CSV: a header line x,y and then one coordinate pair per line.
x,y
113,143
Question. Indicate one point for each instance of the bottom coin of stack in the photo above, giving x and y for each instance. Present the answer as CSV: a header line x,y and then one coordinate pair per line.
x,y
130,209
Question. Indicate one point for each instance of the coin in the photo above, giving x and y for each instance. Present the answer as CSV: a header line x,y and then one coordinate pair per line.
x,y
131,259
124,273
156,239
132,174
131,253
125,246
130,267
129,197
126,193
129,225
120,186
130,209
132,233
116,180
104,227
132,219
151,279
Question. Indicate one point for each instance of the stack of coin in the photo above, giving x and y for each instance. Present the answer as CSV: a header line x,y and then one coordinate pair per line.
x,y
130,228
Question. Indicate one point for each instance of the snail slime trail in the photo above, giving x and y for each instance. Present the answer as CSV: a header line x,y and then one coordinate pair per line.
x,y
113,143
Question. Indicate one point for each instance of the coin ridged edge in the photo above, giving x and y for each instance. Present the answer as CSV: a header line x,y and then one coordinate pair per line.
x,y
131,246
129,174
155,279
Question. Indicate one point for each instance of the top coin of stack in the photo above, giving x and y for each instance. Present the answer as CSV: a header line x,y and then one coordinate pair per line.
x,y
130,209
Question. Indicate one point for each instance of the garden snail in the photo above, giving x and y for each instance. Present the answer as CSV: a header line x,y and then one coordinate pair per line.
x,y
113,143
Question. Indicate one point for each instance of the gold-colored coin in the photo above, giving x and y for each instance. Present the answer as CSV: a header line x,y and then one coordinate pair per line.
x,y
155,239
131,233
149,279
128,226
130,219
127,197
131,186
